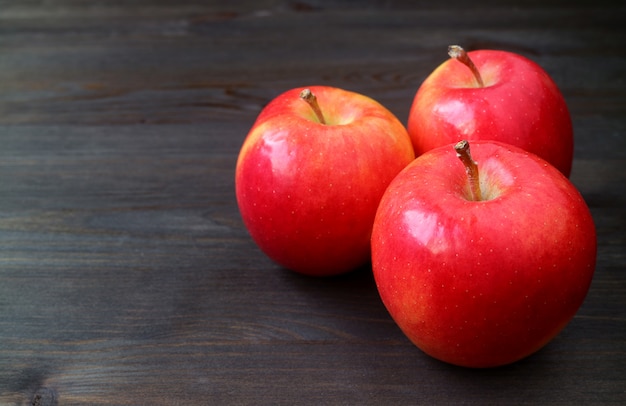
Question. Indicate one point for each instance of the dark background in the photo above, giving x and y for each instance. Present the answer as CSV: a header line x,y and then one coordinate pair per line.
x,y
126,275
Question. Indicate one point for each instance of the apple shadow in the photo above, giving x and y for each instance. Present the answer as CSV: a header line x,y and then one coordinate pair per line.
x,y
360,279
353,299
347,304
330,291
536,379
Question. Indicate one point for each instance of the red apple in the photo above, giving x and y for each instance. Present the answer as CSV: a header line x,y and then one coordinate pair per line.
x,y
499,96
310,176
483,268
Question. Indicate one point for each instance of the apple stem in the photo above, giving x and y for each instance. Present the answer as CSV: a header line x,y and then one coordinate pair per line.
x,y
311,100
458,53
462,149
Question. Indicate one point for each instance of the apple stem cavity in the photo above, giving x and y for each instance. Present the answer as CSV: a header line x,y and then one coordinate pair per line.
x,y
311,100
458,53
462,149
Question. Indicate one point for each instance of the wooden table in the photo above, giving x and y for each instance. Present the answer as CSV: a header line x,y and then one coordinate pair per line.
x,y
126,275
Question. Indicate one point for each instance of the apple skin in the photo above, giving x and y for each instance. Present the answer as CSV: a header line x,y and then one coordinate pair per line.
x,y
308,192
519,105
482,283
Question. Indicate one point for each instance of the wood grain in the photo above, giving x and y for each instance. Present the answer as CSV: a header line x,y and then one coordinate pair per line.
x,y
126,275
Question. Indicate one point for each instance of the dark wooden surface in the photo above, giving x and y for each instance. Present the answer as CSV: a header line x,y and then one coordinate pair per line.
x,y
126,275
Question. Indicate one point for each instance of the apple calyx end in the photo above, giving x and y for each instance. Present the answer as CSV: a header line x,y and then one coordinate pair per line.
x,y
311,100
462,149
458,53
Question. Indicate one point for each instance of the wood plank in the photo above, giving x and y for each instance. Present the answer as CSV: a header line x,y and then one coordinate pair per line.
x,y
126,275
